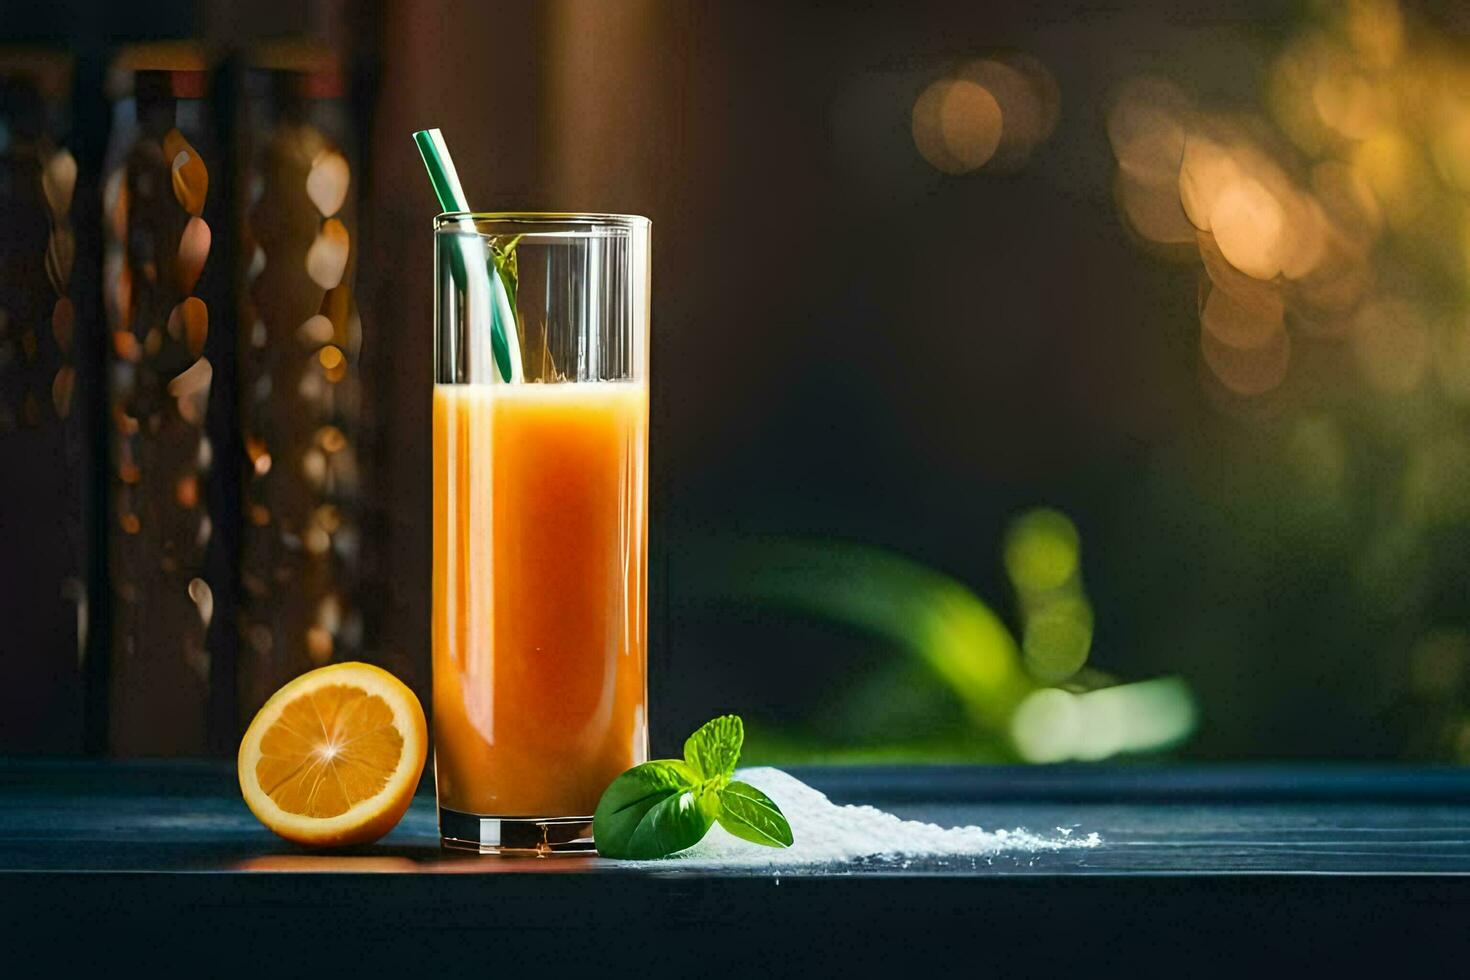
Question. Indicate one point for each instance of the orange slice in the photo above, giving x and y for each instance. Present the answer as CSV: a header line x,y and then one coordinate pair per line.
x,y
333,757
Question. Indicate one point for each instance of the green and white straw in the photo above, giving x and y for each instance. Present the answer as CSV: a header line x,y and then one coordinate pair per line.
x,y
472,255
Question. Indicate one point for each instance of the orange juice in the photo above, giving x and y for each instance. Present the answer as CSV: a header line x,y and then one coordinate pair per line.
x,y
540,603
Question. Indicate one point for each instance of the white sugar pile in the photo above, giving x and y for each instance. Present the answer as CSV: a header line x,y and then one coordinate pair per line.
x,y
826,833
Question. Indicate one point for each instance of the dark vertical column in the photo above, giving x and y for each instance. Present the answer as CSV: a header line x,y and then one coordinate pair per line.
x,y
42,426
91,125
222,425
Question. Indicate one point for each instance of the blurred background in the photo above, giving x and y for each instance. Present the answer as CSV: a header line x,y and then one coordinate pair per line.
x,y
1032,382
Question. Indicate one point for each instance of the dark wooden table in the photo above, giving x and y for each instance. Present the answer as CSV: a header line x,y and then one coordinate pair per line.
x,y
1200,870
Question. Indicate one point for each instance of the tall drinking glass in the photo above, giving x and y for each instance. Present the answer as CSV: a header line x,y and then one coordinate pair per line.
x,y
540,602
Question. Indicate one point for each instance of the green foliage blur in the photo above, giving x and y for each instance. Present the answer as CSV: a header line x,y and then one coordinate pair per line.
x,y
961,687
1328,225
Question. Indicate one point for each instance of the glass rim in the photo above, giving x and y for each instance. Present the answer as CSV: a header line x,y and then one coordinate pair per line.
x,y
448,219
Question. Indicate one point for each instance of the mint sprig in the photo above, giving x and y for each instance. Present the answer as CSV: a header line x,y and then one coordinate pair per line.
x,y
503,262
667,805
714,749
751,815
504,273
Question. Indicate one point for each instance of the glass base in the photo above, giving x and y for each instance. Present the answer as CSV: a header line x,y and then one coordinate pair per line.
x,y
515,836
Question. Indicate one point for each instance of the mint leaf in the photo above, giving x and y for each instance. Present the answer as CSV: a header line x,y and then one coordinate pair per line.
x,y
751,815
653,810
504,259
504,271
680,821
713,750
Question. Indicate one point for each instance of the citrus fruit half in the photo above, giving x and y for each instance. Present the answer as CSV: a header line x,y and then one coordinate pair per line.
x,y
333,757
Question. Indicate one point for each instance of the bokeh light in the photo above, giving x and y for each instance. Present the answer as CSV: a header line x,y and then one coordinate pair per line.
x,y
1339,218
334,364
1390,343
61,254
189,175
1029,101
1054,725
989,113
203,598
1243,322
1047,726
1154,210
190,390
62,387
956,125
315,331
189,322
1041,551
193,253
59,183
1394,170
1248,222
1248,371
1147,124
1042,554
326,182
1057,639
186,491
326,259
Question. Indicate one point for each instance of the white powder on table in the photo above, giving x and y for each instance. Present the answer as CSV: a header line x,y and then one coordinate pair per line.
x,y
826,833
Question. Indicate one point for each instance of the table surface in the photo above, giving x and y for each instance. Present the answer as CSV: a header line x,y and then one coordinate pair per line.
x,y
1188,855
188,817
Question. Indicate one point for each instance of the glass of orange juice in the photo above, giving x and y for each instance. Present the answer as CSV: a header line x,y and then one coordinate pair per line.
x,y
540,602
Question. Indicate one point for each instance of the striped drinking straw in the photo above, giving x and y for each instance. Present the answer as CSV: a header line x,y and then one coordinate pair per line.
x,y
503,340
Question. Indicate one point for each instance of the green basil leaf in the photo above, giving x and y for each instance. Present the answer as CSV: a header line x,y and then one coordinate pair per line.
x,y
652,810
679,821
751,815
713,750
